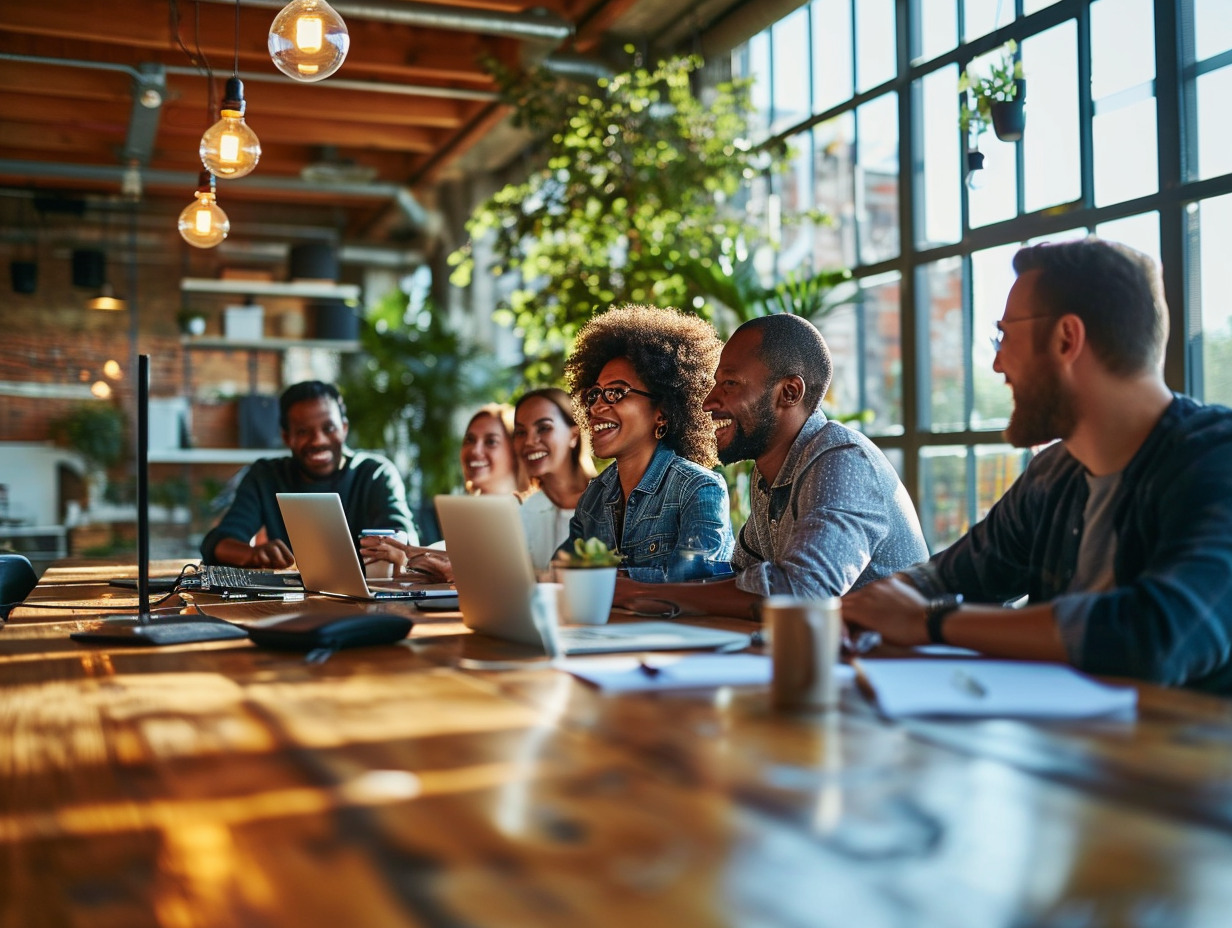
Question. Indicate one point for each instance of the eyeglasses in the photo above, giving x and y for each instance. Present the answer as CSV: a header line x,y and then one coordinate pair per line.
x,y
997,339
611,395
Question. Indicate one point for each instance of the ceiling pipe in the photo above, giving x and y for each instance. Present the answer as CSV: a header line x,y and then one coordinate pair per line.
x,y
337,83
115,174
537,24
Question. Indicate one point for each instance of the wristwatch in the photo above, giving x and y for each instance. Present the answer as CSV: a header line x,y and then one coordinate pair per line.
x,y
936,611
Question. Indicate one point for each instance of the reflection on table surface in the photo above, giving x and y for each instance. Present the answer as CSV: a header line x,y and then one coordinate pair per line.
x,y
223,784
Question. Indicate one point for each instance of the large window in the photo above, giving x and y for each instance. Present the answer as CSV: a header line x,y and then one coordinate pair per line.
x,y
1127,137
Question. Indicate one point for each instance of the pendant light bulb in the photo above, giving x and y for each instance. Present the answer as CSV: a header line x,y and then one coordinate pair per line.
x,y
229,148
203,224
106,300
308,40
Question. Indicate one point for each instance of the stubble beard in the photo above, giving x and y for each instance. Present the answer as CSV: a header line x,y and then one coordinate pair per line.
x,y
750,445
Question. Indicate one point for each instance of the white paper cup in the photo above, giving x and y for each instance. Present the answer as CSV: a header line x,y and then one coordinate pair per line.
x,y
805,636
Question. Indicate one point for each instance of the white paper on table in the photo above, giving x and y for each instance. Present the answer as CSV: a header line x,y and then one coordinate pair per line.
x,y
991,688
623,673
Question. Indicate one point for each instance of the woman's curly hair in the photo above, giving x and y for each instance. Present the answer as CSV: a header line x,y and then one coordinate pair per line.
x,y
674,353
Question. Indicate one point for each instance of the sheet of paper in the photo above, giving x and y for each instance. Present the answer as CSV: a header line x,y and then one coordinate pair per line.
x,y
625,673
991,688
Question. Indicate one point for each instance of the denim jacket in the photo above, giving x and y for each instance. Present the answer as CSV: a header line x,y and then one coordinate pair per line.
x,y
677,525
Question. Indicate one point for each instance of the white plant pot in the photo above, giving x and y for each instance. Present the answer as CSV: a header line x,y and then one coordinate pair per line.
x,y
586,594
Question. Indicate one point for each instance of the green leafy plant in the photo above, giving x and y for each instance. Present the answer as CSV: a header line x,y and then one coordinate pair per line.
x,y
636,182
980,92
96,431
402,396
591,552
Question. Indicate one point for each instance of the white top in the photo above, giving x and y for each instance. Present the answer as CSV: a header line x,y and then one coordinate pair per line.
x,y
546,527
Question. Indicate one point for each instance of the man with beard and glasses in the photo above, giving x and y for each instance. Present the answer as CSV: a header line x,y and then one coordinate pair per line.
x,y
312,416
828,512
1120,533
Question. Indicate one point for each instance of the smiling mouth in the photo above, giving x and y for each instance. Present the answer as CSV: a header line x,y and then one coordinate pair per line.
x,y
536,456
720,424
603,427
476,465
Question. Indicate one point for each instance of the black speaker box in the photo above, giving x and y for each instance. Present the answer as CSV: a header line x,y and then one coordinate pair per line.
x,y
24,275
258,422
89,268
314,261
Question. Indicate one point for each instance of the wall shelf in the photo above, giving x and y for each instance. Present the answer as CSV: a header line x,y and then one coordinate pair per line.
x,y
212,455
216,342
307,289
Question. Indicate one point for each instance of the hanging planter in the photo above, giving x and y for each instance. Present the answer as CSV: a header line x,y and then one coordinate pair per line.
x,y
995,99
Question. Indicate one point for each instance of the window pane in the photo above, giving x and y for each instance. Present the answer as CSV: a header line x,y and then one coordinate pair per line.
x,y
939,300
1050,143
877,211
991,278
1212,28
996,467
757,67
790,50
1034,6
983,16
1122,45
994,193
1125,160
938,23
834,191
839,331
831,53
883,356
939,218
1215,244
796,186
943,496
875,43
1212,124
1140,232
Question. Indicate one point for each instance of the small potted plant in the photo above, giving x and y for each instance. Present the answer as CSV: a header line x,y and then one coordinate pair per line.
x,y
588,581
995,99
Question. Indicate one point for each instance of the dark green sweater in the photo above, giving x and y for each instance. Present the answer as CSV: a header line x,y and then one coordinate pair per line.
x,y
371,490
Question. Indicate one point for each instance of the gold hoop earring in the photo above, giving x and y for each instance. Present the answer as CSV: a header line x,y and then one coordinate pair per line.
x,y
660,431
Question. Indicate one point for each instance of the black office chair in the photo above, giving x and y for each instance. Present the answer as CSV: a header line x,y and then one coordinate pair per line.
x,y
17,579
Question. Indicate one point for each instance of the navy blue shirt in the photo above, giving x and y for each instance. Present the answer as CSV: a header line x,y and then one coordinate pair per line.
x,y
1168,618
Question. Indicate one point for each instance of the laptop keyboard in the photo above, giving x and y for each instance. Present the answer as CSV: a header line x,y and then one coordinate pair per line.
x,y
220,578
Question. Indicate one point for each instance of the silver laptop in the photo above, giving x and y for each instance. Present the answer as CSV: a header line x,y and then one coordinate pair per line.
x,y
325,552
495,578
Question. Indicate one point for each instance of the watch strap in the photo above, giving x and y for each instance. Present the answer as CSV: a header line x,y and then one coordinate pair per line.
x,y
936,611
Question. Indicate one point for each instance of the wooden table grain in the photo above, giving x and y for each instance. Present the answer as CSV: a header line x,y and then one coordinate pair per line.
x,y
221,784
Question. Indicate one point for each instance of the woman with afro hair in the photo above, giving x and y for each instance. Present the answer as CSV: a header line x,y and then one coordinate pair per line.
x,y
638,375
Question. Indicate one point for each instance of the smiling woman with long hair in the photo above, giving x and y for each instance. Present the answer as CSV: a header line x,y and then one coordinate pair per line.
x,y
555,453
639,375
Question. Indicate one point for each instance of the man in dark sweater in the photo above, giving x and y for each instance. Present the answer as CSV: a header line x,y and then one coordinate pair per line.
x,y
1119,533
313,419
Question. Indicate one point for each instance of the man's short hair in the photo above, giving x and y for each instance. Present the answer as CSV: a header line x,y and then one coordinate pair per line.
x,y
1116,291
792,346
308,390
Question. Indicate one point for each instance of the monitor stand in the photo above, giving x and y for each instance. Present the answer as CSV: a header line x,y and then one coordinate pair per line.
x,y
144,628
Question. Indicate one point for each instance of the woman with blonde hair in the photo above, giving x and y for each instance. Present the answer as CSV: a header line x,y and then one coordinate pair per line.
x,y
640,375
489,466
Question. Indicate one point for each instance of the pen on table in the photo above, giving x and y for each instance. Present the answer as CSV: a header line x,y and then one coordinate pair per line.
x,y
969,684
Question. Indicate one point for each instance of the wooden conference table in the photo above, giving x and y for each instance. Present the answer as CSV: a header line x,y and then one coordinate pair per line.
x,y
225,785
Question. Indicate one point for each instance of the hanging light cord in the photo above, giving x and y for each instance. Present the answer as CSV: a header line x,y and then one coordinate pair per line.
x,y
236,69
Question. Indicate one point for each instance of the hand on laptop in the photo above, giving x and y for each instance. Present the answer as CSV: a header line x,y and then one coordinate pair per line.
x,y
273,555
413,561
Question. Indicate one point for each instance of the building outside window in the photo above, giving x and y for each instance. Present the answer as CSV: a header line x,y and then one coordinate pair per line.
x,y
1127,138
